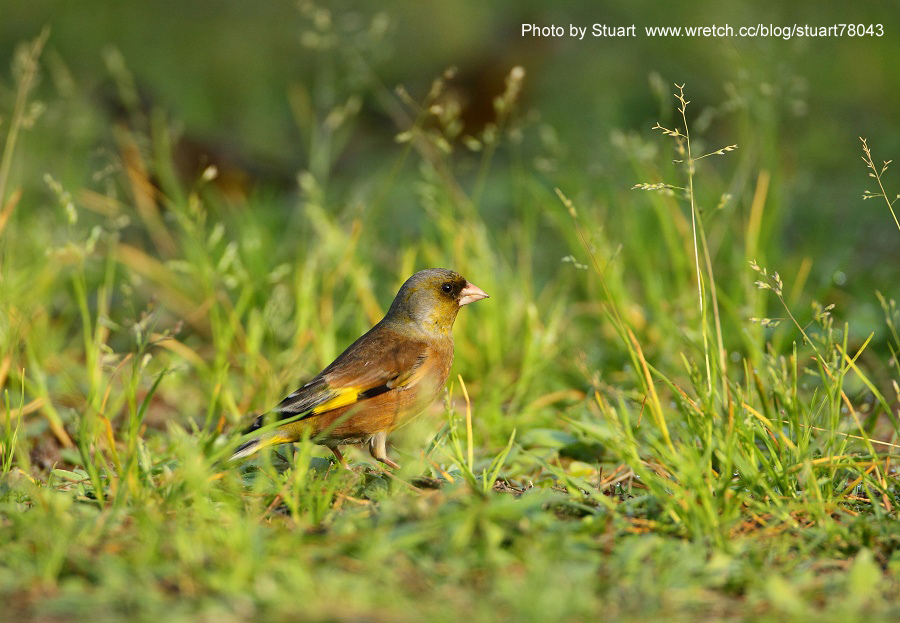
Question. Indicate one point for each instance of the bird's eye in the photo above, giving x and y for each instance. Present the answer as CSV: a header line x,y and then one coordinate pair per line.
x,y
447,287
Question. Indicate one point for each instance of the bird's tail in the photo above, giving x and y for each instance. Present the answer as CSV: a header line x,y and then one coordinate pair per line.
x,y
246,449
259,442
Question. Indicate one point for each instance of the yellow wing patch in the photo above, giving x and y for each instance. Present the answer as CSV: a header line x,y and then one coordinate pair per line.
x,y
346,396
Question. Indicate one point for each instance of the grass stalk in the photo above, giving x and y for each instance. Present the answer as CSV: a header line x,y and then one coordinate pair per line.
x,y
27,65
877,173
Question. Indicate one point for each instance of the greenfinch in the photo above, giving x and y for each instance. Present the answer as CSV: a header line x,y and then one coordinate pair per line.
x,y
384,379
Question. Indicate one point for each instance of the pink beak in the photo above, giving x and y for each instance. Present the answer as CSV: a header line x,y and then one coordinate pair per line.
x,y
470,294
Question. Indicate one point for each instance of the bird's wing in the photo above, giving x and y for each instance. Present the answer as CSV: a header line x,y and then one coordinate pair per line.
x,y
377,362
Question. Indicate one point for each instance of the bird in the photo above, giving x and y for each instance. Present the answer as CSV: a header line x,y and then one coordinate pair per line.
x,y
382,380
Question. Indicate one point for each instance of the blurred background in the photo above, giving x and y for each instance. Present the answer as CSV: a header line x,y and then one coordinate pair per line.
x,y
248,87
306,111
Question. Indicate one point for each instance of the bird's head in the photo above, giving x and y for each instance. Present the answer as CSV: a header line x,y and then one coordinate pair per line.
x,y
432,298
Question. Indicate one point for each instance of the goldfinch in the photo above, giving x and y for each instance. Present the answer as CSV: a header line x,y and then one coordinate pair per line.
x,y
384,379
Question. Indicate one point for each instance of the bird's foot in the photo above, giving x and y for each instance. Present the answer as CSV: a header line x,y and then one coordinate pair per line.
x,y
340,458
388,462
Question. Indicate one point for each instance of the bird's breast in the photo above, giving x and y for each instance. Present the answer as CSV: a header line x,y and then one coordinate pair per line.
x,y
391,409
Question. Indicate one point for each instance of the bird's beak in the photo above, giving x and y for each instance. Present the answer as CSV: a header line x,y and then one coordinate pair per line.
x,y
470,294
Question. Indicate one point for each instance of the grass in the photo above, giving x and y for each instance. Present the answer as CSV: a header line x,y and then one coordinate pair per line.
x,y
660,426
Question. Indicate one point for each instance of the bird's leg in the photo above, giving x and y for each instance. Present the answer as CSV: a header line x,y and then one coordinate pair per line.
x,y
377,450
339,456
